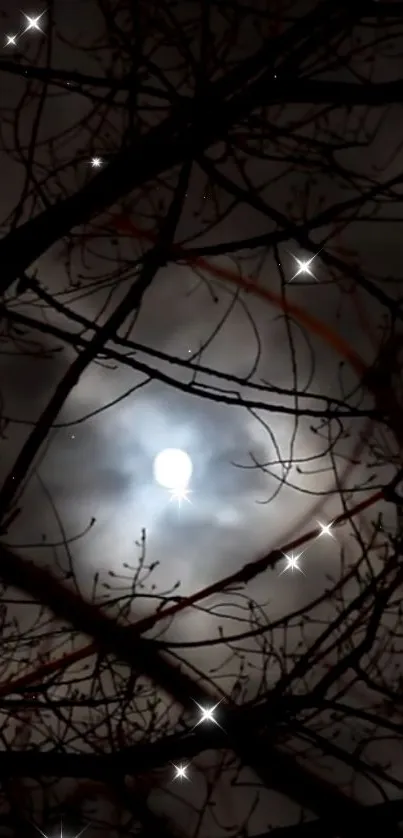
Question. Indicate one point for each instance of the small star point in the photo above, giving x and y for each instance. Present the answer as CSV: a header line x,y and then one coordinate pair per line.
x,y
11,40
304,267
96,162
325,529
33,22
292,563
181,772
207,714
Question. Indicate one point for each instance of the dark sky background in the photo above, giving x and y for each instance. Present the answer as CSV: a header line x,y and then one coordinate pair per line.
x,y
102,468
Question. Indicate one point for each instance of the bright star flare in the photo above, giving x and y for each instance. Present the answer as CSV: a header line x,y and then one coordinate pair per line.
x,y
33,23
96,162
207,714
181,772
304,267
179,495
61,831
292,563
325,530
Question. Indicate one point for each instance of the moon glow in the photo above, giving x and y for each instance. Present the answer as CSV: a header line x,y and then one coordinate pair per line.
x,y
173,468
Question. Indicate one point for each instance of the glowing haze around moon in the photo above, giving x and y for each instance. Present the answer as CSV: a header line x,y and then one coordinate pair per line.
x,y
173,468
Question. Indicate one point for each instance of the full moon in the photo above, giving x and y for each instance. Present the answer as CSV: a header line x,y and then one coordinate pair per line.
x,y
173,468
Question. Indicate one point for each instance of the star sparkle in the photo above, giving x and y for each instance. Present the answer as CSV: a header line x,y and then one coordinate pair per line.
x,y
96,162
292,563
304,267
325,529
181,772
61,831
33,23
180,493
207,714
